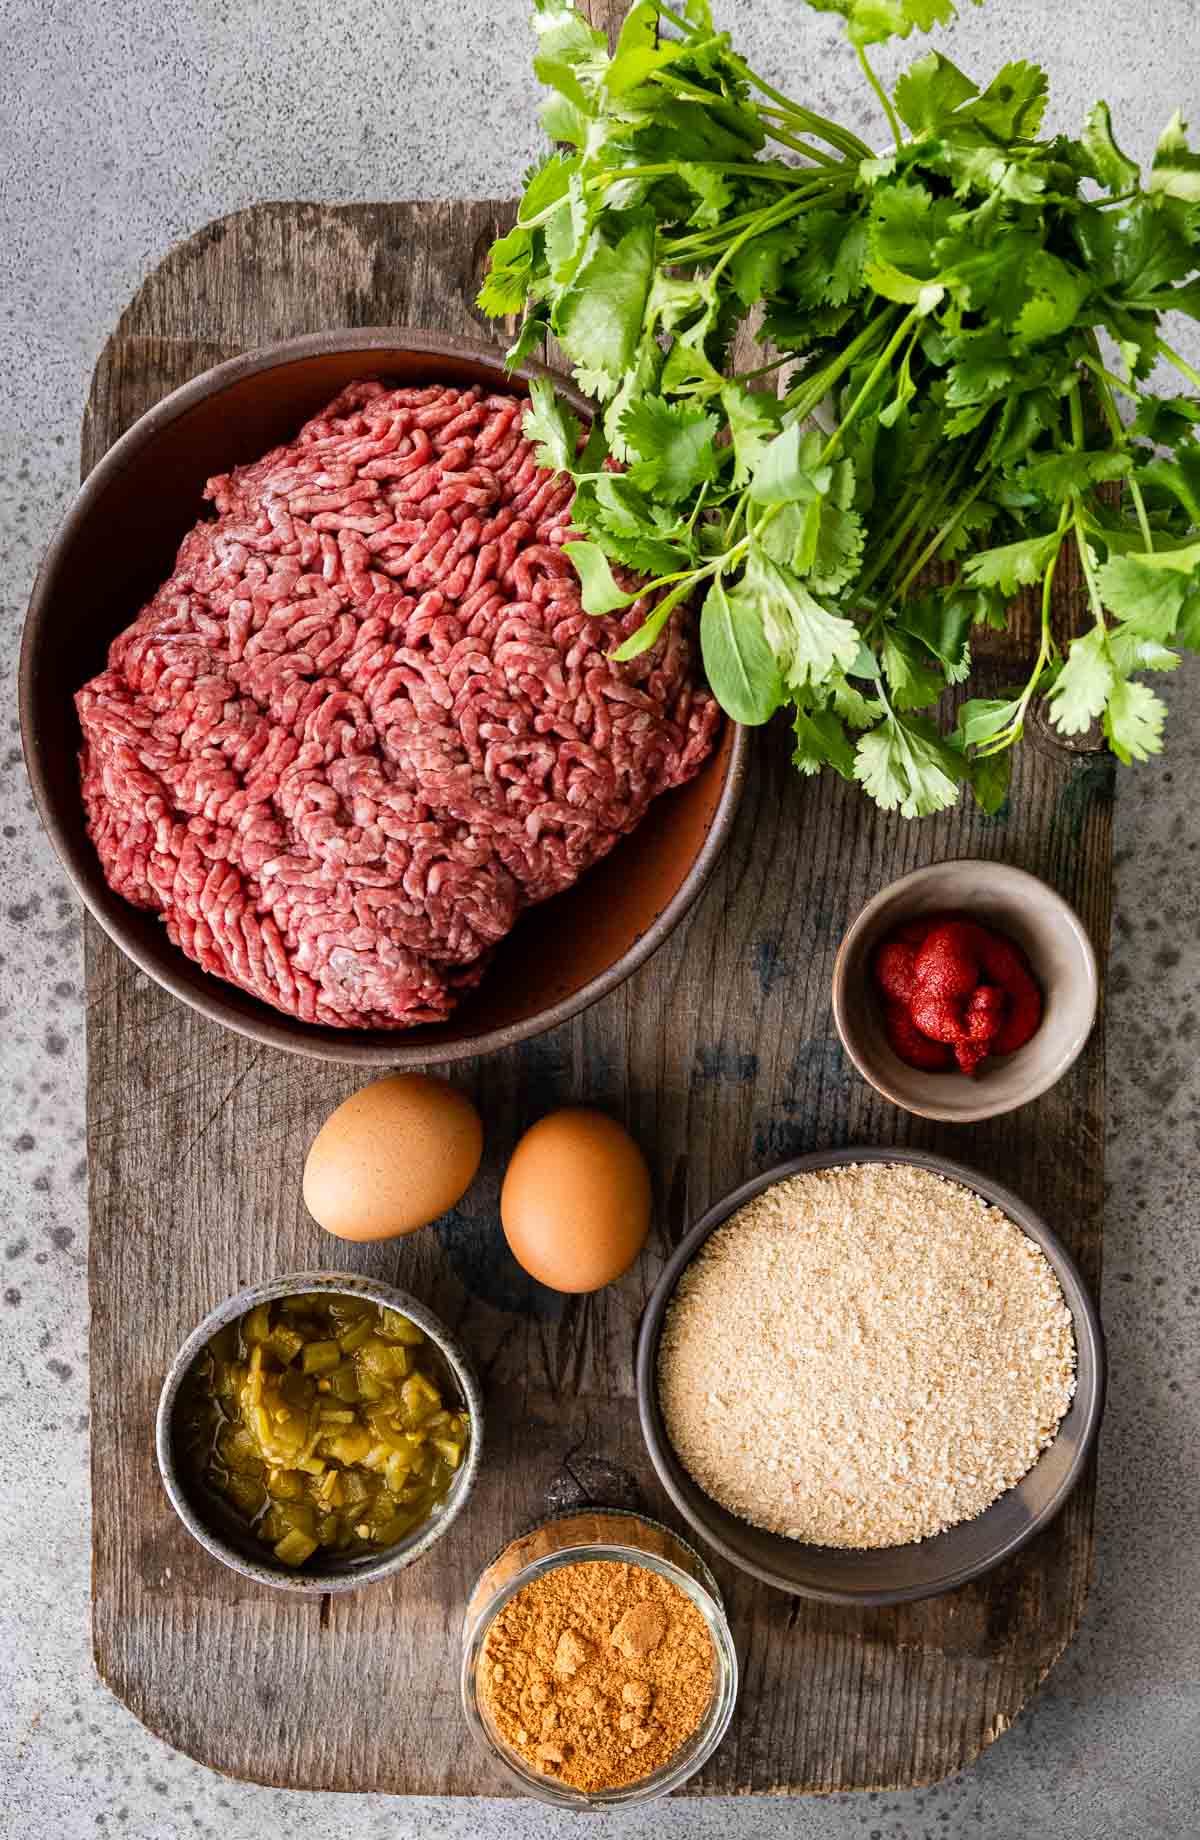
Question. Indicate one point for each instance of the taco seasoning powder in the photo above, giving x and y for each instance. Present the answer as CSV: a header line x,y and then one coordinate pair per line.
x,y
597,1673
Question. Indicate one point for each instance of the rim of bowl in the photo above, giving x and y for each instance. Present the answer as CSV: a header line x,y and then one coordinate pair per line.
x,y
704,1592
1084,1317
393,1558
1001,872
278,1030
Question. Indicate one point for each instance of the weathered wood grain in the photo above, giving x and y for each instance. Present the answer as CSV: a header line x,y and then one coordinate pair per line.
x,y
722,1057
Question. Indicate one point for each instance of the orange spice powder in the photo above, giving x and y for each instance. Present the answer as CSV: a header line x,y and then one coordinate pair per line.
x,y
597,1673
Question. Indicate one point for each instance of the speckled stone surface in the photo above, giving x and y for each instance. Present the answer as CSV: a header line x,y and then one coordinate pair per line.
x,y
125,124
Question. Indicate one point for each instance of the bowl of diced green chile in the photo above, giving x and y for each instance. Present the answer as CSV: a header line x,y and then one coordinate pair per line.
x,y
318,1431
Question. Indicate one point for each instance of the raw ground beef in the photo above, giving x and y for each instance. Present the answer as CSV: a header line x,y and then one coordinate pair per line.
x,y
367,720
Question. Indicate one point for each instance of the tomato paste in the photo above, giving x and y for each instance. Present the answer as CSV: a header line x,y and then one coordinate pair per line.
x,y
954,992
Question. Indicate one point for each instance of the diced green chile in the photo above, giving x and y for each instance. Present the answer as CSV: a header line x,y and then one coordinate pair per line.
x,y
325,1424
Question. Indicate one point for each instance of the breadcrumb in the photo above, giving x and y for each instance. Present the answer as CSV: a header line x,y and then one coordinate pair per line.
x,y
865,1356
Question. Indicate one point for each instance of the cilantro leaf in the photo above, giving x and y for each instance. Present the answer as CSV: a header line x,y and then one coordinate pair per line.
x,y
912,684
1179,476
1055,293
506,284
871,22
756,268
941,621
1084,684
1132,653
631,530
1012,105
712,191
807,639
1176,169
930,90
1188,631
907,764
649,632
753,418
906,224
831,549
550,425
1138,248
1013,565
855,709
981,719
600,592
821,741
545,185
1055,477
1133,721
828,269
599,319
789,468
988,776
1106,163
740,665
673,444
642,379
1165,418
1147,591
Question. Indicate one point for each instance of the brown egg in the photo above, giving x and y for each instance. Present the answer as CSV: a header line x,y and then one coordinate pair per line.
x,y
576,1200
392,1158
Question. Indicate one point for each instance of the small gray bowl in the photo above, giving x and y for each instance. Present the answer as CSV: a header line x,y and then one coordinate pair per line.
x,y
229,1540
923,1568
1053,939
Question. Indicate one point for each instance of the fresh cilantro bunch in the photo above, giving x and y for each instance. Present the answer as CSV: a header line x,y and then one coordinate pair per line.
x,y
958,323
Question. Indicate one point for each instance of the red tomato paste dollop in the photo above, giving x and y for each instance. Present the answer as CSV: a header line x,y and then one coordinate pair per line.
x,y
954,992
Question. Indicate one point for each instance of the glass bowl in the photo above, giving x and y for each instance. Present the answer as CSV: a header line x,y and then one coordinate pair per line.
x,y
571,1539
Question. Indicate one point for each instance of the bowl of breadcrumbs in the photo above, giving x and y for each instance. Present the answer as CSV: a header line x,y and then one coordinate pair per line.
x,y
870,1376
598,1668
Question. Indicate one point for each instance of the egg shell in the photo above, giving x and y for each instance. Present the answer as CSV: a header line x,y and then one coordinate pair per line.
x,y
392,1158
575,1204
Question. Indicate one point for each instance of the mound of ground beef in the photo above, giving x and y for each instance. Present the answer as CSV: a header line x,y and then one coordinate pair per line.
x,y
366,721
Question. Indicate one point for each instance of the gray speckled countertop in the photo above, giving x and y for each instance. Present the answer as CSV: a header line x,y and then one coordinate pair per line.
x,y
125,124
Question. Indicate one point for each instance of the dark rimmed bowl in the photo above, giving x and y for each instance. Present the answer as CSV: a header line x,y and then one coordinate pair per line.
x,y
115,545
221,1533
924,1568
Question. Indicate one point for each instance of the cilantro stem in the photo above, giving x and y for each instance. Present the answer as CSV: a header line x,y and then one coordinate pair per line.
x,y
704,243
828,131
668,79
773,170
918,503
877,369
884,98
1116,429
1012,733
1181,364
786,357
1075,401
768,219
939,537
1085,557
1097,369
781,134
811,390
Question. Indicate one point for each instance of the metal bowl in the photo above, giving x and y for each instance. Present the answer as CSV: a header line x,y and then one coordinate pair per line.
x,y
118,542
923,1568
220,1531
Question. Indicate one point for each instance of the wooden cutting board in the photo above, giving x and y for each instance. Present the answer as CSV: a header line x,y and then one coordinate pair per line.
x,y
721,1056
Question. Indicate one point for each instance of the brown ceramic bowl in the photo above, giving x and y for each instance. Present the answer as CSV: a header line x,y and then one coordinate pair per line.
x,y
1054,940
923,1568
118,542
